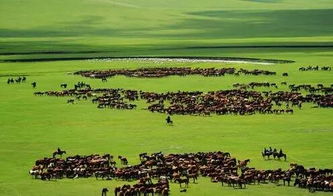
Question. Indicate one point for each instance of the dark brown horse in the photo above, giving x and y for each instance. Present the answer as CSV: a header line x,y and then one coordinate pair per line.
x,y
182,181
279,155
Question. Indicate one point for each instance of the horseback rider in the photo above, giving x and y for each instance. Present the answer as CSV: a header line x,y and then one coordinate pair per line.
x,y
168,120
275,151
280,152
265,150
58,150
270,149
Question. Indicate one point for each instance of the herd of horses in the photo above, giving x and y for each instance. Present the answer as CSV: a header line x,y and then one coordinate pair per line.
x,y
156,171
172,71
182,169
315,68
17,80
235,101
253,85
273,152
319,88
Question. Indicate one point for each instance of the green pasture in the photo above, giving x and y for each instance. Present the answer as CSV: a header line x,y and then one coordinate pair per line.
x,y
33,127
129,27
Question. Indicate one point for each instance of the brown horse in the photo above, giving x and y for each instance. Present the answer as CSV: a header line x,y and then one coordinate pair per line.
x,y
123,160
104,191
242,164
181,181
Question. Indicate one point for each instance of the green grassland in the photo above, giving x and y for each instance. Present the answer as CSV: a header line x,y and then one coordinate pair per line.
x,y
129,27
32,127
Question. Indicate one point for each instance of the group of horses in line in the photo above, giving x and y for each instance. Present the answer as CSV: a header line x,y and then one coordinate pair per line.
x,y
236,101
315,68
183,169
157,72
17,80
318,88
273,152
253,85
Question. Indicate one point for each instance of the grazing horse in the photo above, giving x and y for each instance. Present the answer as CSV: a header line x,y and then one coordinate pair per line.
x,y
104,191
285,74
58,152
123,160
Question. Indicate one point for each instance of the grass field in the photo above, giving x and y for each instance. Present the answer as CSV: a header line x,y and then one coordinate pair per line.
x,y
32,127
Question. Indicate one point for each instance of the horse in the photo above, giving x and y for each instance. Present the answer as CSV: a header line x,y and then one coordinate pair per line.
x,y
70,101
193,176
242,164
104,191
143,156
63,85
58,152
123,160
279,155
181,181
266,154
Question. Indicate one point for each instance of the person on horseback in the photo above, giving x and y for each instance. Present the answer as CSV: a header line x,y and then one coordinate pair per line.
x,y
274,151
280,152
58,150
265,150
168,120
270,149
